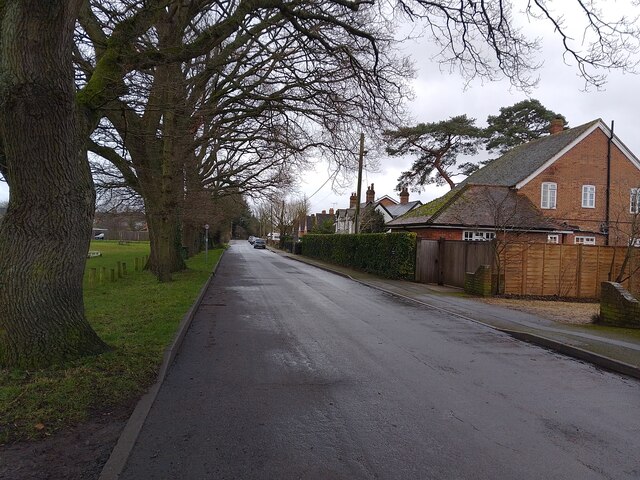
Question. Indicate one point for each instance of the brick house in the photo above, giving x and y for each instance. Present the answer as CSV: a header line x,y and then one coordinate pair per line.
x,y
315,220
580,185
387,206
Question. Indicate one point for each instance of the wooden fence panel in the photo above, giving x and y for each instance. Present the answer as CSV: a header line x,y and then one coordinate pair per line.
x,y
446,261
478,253
427,261
453,263
529,268
535,268
551,270
569,270
588,281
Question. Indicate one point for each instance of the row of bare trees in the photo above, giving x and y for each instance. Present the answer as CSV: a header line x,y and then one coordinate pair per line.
x,y
186,104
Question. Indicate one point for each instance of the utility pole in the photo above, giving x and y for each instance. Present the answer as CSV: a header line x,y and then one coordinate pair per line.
x,y
359,190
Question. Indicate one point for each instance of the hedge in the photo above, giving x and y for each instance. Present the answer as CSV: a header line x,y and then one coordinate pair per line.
x,y
390,255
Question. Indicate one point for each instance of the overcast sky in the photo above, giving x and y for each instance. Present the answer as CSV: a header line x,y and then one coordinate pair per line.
x,y
439,96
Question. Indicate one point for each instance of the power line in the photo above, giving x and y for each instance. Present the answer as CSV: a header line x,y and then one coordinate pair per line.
x,y
322,186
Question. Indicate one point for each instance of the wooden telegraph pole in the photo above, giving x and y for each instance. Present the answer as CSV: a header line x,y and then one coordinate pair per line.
x,y
359,189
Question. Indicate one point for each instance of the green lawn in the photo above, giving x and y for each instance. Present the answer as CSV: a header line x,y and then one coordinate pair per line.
x,y
136,315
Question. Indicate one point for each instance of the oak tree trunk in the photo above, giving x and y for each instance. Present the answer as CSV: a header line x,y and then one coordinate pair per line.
x,y
165,239
44,237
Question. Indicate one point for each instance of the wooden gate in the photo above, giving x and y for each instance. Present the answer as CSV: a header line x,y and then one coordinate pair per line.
x,y
446,261
427,261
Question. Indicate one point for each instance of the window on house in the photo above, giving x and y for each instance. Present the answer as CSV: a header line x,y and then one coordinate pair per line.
x,y
549,193
585,240
588,196
475,236
553,238
634,201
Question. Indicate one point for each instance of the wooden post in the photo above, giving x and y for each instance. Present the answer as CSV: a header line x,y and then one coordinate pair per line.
x,y
136,264
124,268
103,274
119,269
359,186
113,274
92,277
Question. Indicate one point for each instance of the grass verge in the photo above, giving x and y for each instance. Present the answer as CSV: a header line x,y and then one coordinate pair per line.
x,y
137,316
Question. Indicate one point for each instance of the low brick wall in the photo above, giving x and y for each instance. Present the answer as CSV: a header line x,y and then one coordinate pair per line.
x,y
618,307
478,282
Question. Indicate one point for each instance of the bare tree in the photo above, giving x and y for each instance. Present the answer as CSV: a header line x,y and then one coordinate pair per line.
x,y
244,114
43,158
624,229
506,216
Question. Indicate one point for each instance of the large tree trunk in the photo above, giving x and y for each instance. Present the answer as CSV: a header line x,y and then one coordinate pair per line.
x,y
165,238
44,237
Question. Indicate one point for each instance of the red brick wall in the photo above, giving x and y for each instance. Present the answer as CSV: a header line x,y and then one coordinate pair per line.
x,y
586,164
436,233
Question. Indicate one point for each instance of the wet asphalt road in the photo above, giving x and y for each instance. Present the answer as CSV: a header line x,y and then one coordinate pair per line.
x,y
290,372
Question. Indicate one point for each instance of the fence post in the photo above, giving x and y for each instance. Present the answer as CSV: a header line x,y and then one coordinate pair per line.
x,y
119,269
113,274
92,277
103,274
124,268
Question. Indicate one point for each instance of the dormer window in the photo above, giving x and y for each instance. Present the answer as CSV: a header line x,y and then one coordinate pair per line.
x,y
549,194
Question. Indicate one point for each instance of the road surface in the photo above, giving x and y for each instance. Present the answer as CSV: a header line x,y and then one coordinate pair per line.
x,y
291,372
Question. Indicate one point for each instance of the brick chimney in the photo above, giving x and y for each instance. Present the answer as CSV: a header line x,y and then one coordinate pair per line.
x,y
324,212
371,194
353,199
404,196
331,212
556,126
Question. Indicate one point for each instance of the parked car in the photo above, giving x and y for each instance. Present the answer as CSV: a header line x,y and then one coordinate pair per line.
x,y
99,236
252,239
259,243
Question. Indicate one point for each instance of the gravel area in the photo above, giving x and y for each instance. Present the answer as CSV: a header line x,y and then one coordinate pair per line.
x,y
562,312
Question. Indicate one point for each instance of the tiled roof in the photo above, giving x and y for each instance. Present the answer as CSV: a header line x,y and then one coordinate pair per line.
x,y
521,161
423,213
401,208
488,206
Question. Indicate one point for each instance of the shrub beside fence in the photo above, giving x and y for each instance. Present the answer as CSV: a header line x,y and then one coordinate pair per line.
x,y
390,255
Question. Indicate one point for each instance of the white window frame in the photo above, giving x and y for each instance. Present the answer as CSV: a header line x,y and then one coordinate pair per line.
x,y
584,240
588,196
548,195
634,200
553,238
478,235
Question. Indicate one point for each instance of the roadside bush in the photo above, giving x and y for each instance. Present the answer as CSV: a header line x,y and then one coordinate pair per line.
x,y
390,255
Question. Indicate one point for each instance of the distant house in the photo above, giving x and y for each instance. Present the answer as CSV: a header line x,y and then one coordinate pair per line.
x,y
129,225
576,186
387,206
315,220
